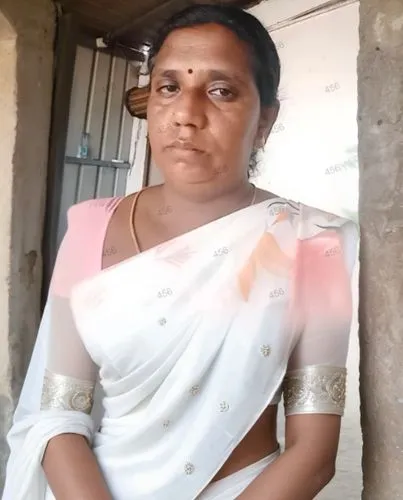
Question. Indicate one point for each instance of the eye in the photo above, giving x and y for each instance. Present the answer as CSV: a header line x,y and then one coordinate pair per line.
x,y
222,92
168,89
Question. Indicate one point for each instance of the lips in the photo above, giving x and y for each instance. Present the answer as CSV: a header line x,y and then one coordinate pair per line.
x,y
183,146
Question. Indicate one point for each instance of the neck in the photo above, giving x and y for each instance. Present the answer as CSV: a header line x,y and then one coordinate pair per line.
x,y
211,202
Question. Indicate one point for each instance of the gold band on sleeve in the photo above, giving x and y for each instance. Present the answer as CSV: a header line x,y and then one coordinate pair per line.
x,y
66,393
315,389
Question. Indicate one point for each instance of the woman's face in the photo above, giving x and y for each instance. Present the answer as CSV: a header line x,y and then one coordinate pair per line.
x,y
204,112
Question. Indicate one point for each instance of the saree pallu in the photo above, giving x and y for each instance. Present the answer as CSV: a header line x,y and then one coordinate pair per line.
x,y
190,340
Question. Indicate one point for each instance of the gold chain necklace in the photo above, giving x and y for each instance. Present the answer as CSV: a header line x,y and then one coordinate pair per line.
x,y
133,208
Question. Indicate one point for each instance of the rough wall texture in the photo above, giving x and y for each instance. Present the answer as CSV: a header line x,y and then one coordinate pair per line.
x,y
26,70
380,90
8,108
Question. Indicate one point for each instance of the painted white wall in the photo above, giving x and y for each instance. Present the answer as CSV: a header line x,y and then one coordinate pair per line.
x,y
138,156
311,155
271,12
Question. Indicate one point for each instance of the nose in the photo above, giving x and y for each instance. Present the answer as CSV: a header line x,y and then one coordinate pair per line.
x,y
189,110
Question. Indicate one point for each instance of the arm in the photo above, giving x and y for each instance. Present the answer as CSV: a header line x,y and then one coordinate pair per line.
x,y
307,464
314,386
72,470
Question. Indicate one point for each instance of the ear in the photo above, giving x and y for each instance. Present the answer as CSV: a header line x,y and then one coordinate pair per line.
x,y
268,117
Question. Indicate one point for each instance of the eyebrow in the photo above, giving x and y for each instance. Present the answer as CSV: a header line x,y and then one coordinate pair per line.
x,y
165,73
213,74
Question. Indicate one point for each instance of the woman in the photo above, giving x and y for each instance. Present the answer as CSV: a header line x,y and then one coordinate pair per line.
x,y
194,303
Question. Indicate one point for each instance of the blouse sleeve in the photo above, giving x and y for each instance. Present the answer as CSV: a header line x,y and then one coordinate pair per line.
x,y
70,374
315,381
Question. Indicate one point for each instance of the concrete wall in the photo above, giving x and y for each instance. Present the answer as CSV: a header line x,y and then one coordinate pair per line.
x,y
26,68
8,108
380,125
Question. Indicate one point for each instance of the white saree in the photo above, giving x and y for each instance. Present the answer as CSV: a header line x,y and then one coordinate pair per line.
x,y
190,341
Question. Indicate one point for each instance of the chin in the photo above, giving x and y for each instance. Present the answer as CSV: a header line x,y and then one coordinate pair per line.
x,y
191,173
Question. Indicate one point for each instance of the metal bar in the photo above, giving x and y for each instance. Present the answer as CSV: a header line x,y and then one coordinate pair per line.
x,y
115,181
122,112
107,109
79,184
138,124
105,123
89,111
88,115
121,127
66,48
97,163
91,93
147,164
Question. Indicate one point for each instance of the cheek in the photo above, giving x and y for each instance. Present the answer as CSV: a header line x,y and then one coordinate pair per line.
x,y
158,124
237,132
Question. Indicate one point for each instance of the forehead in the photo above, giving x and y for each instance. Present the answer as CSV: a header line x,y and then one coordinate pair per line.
x,y
203,47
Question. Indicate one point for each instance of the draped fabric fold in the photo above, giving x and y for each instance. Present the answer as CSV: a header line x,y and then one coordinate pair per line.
x,y
33,428
191,341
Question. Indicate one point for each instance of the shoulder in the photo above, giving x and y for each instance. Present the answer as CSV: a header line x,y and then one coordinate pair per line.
x,y
314,221
80,253
306,220
88,220
92,211
326,234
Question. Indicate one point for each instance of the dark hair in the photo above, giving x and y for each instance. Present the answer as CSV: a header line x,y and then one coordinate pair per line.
x,y
265,62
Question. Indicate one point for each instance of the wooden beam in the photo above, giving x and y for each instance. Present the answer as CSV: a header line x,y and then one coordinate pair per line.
x,y
141,27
